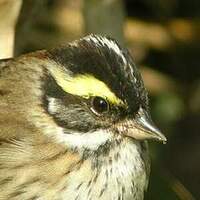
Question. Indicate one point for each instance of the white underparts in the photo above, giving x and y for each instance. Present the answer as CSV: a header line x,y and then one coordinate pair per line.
x,y
122,176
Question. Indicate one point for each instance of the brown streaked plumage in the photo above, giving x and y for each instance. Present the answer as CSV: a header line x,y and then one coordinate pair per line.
x,y
73,124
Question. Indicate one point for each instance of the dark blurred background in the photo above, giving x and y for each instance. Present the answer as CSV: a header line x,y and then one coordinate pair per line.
x,y
163,36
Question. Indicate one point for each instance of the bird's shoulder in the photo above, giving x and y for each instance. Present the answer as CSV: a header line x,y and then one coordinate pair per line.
x,y
34,166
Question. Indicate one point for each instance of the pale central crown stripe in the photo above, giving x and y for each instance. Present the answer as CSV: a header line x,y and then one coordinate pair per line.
x,y
84,85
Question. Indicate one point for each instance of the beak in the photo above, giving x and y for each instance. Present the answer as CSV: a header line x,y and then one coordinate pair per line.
x,y
142,128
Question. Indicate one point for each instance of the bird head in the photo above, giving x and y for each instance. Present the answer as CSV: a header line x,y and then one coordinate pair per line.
x,y
95,94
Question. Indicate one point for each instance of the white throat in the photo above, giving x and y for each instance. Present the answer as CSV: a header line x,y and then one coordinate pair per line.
x,y
89,140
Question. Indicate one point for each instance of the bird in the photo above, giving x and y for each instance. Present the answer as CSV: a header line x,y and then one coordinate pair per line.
x,y
74,124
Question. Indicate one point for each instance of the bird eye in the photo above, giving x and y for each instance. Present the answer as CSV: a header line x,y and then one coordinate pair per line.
x,y
99,105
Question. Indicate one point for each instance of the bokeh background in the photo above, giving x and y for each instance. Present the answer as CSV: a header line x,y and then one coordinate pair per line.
x,y
163,37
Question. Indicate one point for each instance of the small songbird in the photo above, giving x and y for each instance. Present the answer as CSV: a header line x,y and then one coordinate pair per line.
x,y
74,122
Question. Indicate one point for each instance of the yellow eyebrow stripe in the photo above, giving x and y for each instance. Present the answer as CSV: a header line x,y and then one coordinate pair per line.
x,y
84,86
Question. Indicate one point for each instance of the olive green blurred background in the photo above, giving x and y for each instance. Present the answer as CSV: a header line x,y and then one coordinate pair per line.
x,y
163,36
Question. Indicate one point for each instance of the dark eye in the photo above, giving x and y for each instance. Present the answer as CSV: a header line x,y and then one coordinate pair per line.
x,y
99,105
